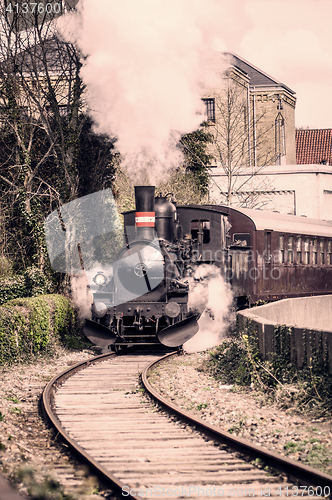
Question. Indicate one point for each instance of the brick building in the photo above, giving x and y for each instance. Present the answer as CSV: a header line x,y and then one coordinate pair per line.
x,y
262,110
252,120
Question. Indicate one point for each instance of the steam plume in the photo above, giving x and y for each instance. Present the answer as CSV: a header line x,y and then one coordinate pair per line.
x,y
147,63
211,291
81,296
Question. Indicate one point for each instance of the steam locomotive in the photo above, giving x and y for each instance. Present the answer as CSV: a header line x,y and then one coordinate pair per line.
x,y
264,256
146,299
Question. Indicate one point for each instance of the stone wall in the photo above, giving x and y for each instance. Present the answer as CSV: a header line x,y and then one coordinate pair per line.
x,y
301,325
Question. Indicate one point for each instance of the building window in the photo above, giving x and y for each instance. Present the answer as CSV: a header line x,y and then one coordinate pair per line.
x,y
280,138
307,251
281,249
299,250
210,109
329,248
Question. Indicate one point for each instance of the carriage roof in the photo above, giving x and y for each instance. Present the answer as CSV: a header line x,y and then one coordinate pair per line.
x,y
265,220
274,221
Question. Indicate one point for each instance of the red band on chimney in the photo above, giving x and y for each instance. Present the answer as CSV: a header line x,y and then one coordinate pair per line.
x,y
145,219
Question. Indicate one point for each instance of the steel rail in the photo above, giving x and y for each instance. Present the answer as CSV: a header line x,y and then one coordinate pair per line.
x,y
47,400
294,470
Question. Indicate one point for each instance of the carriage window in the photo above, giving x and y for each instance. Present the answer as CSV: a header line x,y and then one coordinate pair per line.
x,y
322,253
241,239
267,251
299,250
329,247
281,249
307,251
314,251
200,230
290,250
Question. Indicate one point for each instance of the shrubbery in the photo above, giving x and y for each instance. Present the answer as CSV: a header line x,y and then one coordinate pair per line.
x,y
31,325
238,361
30,283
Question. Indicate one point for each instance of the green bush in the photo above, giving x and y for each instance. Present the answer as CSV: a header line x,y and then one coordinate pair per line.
x,y
32,325
31,283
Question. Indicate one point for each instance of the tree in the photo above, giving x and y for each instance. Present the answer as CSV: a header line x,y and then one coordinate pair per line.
x,y
241,146
197,159
49,154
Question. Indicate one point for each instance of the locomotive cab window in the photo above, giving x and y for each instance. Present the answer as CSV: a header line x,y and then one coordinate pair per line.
x,y
241,239
200,230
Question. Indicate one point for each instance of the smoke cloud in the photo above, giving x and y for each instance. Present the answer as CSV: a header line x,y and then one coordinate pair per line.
x,y
146,65
81,296
212,295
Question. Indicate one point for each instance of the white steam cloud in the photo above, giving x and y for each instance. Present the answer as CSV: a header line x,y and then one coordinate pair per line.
x,y
146,65
81,295
211,291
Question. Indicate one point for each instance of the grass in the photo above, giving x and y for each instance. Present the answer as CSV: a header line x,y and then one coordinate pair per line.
x,y
202,406
15,410
40,489
236,428
314,453
13,399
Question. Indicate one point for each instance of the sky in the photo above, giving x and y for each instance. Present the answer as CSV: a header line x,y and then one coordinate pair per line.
x,y
289,40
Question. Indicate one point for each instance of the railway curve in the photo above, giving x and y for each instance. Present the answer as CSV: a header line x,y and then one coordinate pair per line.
x,y
137,450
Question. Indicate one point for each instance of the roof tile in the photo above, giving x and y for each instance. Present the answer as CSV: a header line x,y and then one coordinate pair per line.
x,y
313,146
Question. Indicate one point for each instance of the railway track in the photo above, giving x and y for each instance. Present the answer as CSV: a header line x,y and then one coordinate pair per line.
x,y
140,451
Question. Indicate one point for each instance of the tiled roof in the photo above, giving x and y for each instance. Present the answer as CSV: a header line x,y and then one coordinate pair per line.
x,y
313,146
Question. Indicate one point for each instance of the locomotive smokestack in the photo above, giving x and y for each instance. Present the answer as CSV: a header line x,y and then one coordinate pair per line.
x,y
145,213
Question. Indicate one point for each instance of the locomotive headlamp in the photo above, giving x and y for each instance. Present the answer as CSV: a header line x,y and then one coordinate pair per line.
x,y
100,309
99,279
172,309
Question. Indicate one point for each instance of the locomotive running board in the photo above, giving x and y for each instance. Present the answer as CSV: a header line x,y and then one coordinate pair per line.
x,y
98,334
177,334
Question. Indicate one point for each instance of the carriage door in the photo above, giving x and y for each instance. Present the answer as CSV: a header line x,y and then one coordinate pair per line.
x,y
267,263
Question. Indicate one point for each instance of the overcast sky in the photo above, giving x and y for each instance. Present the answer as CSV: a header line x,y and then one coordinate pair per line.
x,y
291,41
